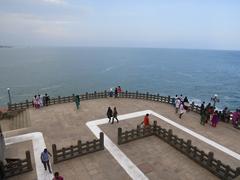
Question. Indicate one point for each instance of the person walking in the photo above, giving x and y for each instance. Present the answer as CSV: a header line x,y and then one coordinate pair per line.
x,y
109,114
45,159
146,121
181,110
57,176
115,113
77,101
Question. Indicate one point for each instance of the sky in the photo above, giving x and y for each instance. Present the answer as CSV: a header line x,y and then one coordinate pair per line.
x,y
195,24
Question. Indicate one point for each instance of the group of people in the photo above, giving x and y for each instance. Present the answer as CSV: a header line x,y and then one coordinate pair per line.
x,y
45,157
116,92
209,113
112,114
40,101
181,105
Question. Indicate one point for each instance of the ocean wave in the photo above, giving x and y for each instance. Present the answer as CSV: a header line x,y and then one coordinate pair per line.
x,y
50,87
108,69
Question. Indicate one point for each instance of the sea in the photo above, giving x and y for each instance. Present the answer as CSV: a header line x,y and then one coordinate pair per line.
x,y
62,71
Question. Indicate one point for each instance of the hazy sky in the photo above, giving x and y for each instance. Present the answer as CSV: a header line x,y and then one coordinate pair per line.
x,y
205,24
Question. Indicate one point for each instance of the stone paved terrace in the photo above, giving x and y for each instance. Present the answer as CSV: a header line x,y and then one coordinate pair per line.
x,y
63,125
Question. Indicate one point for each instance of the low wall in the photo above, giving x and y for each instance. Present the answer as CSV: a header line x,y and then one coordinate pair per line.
x,y
205,160
2,146
105,94
18,166
78,150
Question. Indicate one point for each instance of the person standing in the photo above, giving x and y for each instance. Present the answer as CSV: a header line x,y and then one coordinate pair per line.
x,y
215,119
57,176
119,90
181,110
111,92
202,108
146,121
115,113
45,159
174,100
109,114
77,101
177,104
116,92
47,99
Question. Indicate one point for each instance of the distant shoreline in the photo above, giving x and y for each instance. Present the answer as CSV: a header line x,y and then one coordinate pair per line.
x,y
5,46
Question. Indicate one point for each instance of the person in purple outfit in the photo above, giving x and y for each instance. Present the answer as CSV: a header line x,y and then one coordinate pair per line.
x,y
235,118
215,119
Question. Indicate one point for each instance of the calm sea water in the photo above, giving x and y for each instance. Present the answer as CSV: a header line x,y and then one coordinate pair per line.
x,y
198,74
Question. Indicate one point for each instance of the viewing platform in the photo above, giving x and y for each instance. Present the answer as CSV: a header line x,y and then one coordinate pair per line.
x,y
151,158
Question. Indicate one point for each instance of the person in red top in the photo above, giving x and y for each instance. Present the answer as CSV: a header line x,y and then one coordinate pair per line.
x,y
57,177
146,120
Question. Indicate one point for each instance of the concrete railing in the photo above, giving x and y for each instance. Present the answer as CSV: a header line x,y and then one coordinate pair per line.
x,y
105,94
18,166
205,160
78,150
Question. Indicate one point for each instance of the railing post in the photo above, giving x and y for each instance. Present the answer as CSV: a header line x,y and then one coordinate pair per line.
x,y
192,106
54,151
59,99
169,99
210,159
27,105
87,146
126,94
29,162
64,153
105,94
136,94
218,165
101,140
94,145
138,130
147,96
189,144
73,97
9,107
237,172
95,95
132,133
154,127
169,136
86,95
79,147
71,147
194,152
157,97
119,135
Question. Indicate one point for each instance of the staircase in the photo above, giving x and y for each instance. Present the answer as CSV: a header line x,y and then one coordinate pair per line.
x,y
19,121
